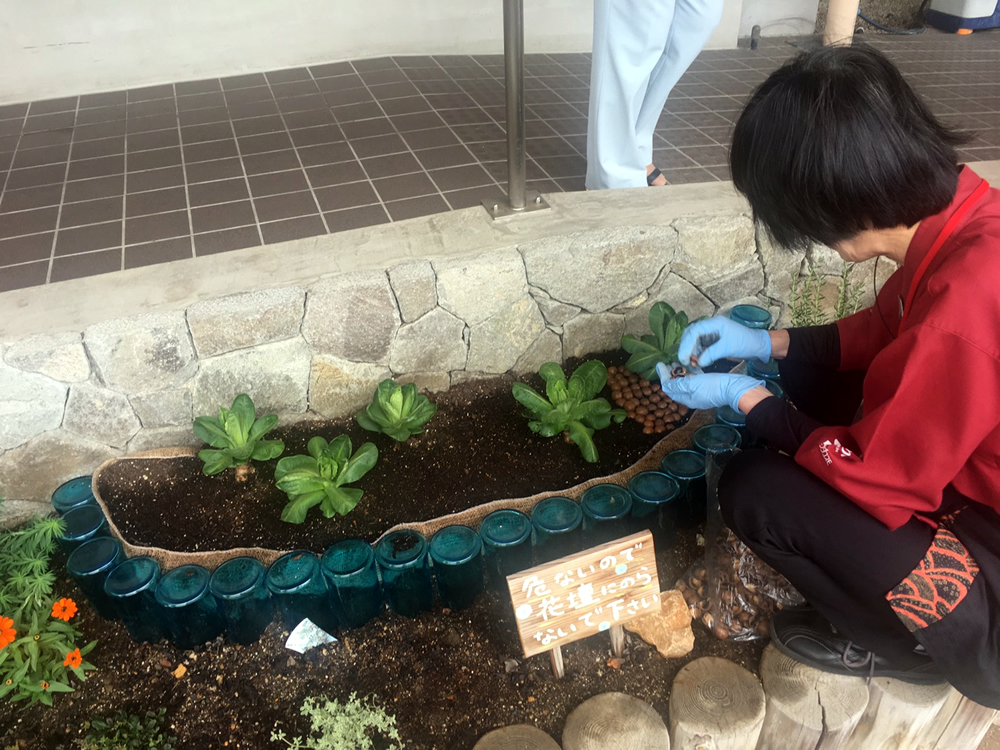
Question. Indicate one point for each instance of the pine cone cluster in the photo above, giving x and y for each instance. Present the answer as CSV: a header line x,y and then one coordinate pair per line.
x,y
644,401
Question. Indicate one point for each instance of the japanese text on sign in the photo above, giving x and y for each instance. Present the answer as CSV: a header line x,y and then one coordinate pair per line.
x,y
584,594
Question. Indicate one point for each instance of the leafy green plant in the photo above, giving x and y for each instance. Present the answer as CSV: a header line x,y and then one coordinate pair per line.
x,y
805,305
570,407
397,410
849,293
236,437
128,732
352,725
319,478
666,326
38,651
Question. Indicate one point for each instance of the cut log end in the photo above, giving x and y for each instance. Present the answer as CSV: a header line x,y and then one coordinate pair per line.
x,y
716,702
517,737
615,720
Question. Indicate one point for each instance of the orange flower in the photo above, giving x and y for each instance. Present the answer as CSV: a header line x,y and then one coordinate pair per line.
x,y
64,609
45,685
7,632
73,659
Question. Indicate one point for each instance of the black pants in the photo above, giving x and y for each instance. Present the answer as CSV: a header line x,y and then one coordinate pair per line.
x,y
841,559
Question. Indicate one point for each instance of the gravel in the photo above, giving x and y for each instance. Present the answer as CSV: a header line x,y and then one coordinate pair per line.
x,y
897,14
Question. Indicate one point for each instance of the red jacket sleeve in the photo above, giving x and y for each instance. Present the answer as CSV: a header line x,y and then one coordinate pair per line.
x,y
867,332
931,397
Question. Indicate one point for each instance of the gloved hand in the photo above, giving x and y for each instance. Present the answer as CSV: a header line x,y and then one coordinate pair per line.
x,y
730,340
706,391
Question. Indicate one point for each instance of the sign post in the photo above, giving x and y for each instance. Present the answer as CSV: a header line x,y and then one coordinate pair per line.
x,y
594,591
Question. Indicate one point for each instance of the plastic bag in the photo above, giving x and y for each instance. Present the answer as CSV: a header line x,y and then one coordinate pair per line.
x,y
731,591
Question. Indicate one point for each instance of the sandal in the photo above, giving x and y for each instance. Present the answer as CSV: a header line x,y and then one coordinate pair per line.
x,y
652,176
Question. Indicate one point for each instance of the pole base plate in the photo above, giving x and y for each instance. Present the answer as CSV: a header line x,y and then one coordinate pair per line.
x,y
499,209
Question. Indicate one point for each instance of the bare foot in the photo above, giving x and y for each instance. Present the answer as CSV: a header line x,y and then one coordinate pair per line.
x,y
660,179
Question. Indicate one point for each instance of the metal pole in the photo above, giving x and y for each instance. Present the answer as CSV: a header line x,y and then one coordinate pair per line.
x,y
841,18
513,52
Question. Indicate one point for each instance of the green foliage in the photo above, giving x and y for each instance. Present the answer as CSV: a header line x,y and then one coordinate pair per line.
x,y
128,732
806,303
352,725
318,479
397,410
38,653
570,407
848,294
660,345
236,437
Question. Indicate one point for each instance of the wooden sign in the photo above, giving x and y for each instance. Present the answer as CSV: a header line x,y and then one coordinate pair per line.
x,y
591,592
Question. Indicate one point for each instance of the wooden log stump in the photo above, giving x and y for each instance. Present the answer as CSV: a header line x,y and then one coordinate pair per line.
x,y
898,715
960,723
807,709
715,704
615,721
517,737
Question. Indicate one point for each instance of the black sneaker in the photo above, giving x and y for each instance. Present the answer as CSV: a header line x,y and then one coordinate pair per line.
x,y
805,636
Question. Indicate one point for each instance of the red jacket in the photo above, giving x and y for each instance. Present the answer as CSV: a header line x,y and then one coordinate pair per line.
x,y
932,391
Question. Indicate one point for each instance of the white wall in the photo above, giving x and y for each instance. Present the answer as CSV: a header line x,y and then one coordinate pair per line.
x,y
779,17
51,48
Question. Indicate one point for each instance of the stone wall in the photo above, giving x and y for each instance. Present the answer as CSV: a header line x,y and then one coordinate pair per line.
x,y
68,401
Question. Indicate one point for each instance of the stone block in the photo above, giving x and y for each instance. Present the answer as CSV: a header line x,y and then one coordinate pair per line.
x,y
496,344
164,437
352,316
142,354
240,321
598,269
546,348
30,404
34,470
275,376
718,254
676,292
669,630
101,415
555,313
414,285
164,408
432,343
338,387
590,334
60,356
15,512
426,382
781,266
477,287
825,260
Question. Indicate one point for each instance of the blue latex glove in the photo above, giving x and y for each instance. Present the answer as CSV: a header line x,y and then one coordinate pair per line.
x,y
706,391
730,339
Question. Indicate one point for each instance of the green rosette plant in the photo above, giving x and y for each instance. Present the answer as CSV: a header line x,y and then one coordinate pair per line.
x,y
658,346
397,411
319,478
236,437
570,407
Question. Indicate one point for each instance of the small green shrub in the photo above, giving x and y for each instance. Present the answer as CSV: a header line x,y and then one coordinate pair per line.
x,y
236,436
128,732
397,410
352,725
660,345
318,479
805,305
570,407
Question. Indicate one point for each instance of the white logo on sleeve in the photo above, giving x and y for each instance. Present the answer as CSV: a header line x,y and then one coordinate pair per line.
x,y
826,445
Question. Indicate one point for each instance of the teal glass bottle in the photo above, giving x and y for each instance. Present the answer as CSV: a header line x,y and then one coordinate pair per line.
x,y
506,536
763,370
656,501
715,437
404,564
297,585
349,568
82,524
606,508
557,528
730,417
190,613
751,316
89,565
774,386
131,585
687,467
457,554
72,494
244,601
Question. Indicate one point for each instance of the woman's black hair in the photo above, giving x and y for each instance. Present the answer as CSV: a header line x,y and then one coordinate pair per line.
x,y
836,142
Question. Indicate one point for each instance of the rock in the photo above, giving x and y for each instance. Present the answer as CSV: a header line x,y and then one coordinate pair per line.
x,y
100,414
34,470
172,407
15,512
164,437
475,288
244,320
30,404
546,348
428,382
434,342
275,376
598,269
338,387
591,334
669,630
676,292
825,260
60,356
718,254
781,266
555,313
496,344
142,354
414,285
352,316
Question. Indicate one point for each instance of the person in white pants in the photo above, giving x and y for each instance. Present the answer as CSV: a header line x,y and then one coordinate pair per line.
x,y
641,49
